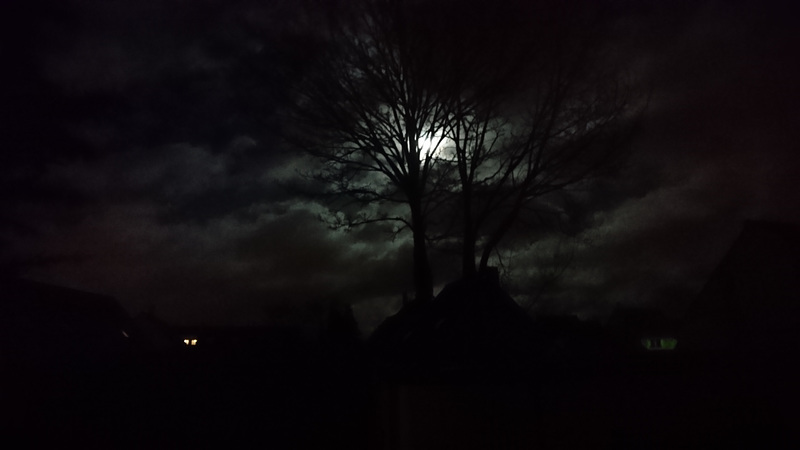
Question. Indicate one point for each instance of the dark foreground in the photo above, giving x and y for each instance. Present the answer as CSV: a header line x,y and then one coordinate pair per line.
x,y
311,395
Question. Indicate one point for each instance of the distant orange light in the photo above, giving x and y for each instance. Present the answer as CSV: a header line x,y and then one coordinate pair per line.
x,y
190,341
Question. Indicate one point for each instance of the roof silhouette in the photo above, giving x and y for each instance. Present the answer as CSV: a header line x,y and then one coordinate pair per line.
x,y
26,295
48,325
754,288
472,326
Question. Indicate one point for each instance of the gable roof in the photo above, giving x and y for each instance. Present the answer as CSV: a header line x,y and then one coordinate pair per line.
x,y
472,325
53,326
47,302
755,286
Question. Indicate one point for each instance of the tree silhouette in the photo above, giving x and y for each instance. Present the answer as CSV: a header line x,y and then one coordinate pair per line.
x,y
372,99
455,128
574,126
552,113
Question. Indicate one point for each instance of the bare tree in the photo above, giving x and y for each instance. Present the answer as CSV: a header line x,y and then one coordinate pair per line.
x,y
557,119
424,120
368,111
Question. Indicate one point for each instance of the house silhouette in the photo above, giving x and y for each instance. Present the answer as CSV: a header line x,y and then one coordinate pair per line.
x,y
52,327
750,302
471,329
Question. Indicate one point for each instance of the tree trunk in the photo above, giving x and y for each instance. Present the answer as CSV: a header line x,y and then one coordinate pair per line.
x,y
468,269
423,277
468,255
498,235
470,236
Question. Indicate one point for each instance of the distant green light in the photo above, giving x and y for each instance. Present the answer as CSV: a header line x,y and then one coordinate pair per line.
x,y
669,343
659,343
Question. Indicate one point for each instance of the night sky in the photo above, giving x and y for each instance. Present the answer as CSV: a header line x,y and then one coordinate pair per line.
x,y
138,161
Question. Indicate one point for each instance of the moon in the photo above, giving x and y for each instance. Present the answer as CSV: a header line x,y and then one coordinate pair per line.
x,y
432,144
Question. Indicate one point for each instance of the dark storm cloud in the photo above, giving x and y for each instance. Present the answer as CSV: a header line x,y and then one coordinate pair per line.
x,y
181,210
147,120
186,182
167,71
155,237
718,146
630,255
225,270
726,107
